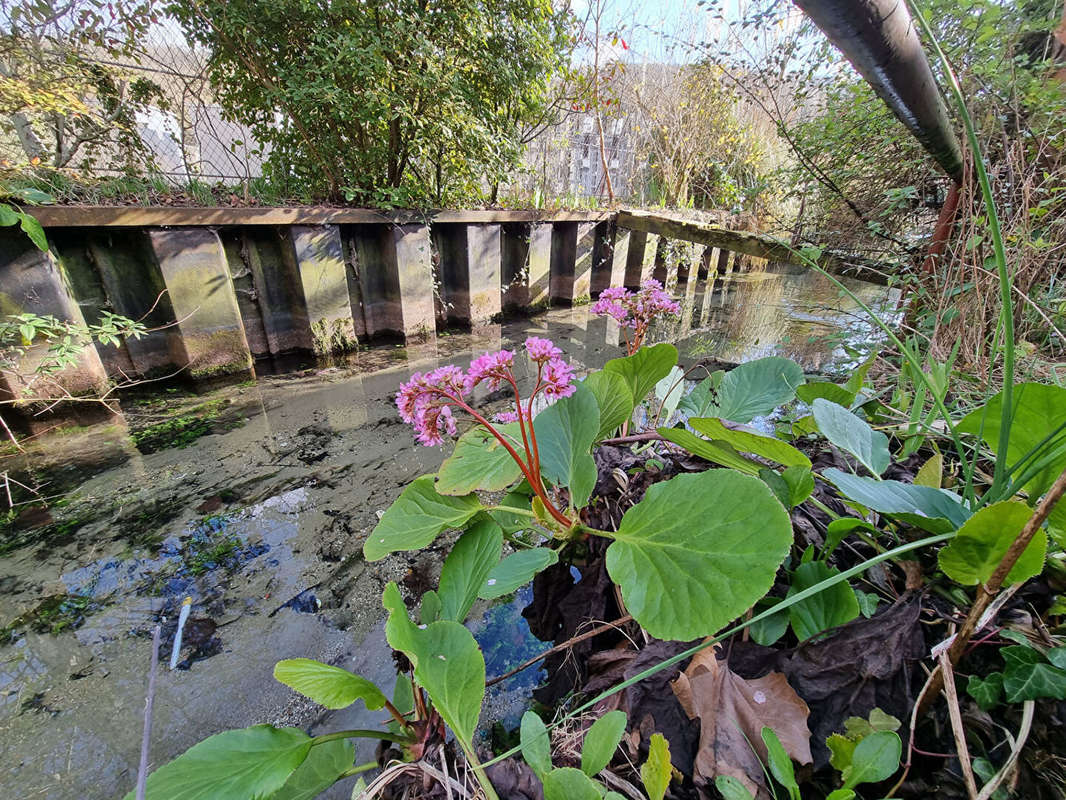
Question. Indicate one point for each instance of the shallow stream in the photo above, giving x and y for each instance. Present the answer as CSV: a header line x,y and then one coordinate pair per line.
x,y
254,501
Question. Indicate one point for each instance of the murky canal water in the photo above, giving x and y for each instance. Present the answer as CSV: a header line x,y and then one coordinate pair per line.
x,y
261,522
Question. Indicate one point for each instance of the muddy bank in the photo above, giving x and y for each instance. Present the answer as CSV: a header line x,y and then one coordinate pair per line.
x,y
259,517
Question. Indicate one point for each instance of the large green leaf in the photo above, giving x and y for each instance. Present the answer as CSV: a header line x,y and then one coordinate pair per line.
x,y
467,567
323,766
613,398
565,432
719,453
447,661
827,609
1027,675
748,441
934,510
645,368
516,570
975,552
757,387
1038,410
480,462
416,518
567,783
852,435
327,685
698,551
250,762
601,741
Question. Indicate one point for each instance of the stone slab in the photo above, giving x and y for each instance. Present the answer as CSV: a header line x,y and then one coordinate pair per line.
x,y
484,258
538,273
323,276
193,265
411,252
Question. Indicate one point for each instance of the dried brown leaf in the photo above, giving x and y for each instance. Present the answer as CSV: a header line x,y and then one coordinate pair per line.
x,y
732,713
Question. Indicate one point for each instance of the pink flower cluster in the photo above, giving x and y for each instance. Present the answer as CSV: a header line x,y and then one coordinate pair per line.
x,y
635,309
425,402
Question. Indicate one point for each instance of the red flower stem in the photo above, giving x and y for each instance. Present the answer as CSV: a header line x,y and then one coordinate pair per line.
x,y
521,420
534,481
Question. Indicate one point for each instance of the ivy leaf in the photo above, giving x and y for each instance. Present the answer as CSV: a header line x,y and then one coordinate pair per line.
x,y
684,572
987,691
249,762
515,571
757,387
875,759
656,771
565,432
416,518
975,552
323,766
327,685
480,462
642,370
447,662
933,510
601,741
827,609
719,453
1038,410
536,744
748,441
853,435
1028,676
467,567
613,398
567,783
1057,656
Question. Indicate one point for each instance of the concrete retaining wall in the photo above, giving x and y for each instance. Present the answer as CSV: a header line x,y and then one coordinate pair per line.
x,y
247,284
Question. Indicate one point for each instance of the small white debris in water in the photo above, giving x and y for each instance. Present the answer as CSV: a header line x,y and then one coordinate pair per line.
x,y
442,658
759,697
422,627
491,582
379,514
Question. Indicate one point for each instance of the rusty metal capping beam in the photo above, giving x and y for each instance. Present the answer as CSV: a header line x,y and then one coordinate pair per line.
x,y
879,39
136,216
753,244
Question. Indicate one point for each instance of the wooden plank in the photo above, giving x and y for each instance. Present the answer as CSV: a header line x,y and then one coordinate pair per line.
x,y
137,216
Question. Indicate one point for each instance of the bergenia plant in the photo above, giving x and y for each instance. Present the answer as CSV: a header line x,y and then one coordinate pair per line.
x,y
635,310
425,402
